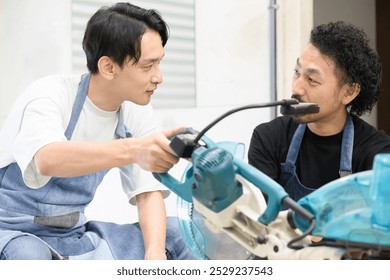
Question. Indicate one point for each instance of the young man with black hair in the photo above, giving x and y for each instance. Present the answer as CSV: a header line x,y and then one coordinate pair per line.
x,y
64,134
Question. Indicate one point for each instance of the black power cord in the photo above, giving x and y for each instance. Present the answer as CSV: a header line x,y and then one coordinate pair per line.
x,y
283,102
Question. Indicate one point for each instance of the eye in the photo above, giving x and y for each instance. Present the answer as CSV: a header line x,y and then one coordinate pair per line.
x,y
297,73
312,81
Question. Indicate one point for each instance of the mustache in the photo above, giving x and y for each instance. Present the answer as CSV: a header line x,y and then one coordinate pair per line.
x,y
297,97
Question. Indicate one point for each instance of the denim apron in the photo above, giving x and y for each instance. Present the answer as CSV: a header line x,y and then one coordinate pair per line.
x,y
288,177
54,213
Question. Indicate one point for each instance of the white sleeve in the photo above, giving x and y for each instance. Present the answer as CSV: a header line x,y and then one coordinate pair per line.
x,y
41,124
135,180
140,121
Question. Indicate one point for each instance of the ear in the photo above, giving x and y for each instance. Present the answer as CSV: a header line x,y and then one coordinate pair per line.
x,y
106,67
350,93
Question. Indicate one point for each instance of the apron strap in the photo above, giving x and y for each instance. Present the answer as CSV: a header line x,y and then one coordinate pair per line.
x,y
78,104
295,144
121,129
347,148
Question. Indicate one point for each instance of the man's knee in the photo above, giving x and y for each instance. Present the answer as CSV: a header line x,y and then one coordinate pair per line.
x,y
176,245
26,248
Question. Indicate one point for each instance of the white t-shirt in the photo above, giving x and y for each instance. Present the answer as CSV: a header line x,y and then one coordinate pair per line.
x,y
41,115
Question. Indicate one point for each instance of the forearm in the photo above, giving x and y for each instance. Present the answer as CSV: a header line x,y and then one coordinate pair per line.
x,y
72,158
152,219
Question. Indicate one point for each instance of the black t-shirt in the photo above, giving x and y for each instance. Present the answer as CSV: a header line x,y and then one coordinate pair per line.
x,y
318,160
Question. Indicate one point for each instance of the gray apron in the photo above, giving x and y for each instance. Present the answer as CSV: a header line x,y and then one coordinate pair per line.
x,y
54,213
288,177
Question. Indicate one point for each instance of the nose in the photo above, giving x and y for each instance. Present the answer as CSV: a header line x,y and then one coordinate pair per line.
x,y
157,77
297,87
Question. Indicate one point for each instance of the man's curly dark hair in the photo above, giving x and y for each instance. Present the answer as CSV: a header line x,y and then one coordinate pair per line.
x,y
356,62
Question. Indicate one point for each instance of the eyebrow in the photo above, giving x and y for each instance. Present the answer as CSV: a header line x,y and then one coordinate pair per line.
x,y
151,60
309,70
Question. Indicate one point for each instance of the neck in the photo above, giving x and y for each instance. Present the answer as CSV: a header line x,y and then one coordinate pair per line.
x,y
330,126
101,94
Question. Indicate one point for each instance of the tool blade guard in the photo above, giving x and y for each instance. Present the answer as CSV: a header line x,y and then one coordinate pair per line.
x,y
353,211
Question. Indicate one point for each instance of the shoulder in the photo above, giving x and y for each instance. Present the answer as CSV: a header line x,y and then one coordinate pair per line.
x,y
274,135
279,122
55,82
54,90
368,142
59,88
366,132
278,126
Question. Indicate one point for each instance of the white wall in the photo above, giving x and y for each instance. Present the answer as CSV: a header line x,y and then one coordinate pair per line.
x,y
34,42
232,52
294,22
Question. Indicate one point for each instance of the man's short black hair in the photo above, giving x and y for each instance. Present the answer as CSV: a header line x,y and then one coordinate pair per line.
x,y
117,31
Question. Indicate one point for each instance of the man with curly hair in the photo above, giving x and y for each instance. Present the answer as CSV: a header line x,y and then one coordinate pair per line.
x,y
340,72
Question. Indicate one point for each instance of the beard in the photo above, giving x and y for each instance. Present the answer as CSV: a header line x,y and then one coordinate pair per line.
x,y
304,119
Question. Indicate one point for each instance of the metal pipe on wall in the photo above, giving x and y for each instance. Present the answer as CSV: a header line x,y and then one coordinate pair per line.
x,y
273,78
